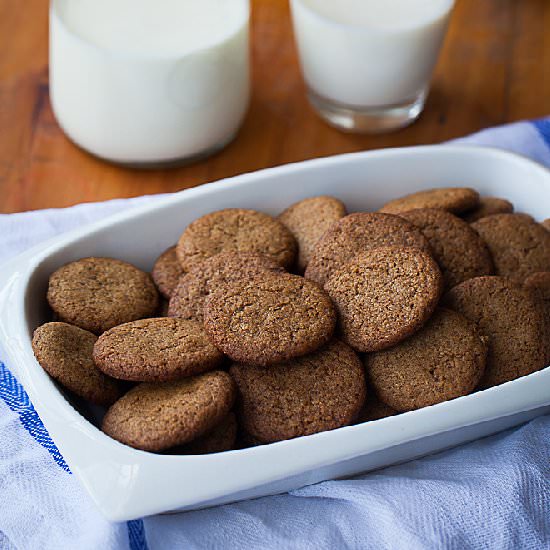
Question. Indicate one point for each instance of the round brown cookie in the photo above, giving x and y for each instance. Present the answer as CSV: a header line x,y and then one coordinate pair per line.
x,y
511,318
155,417
444,360
355,234
308,220
453,199
269,318
166,272
457,248
65,353
539,284
519,245
236,230
97,294
222,438
487,207
321,391
384,296
156,350
374,409
546,224
190,295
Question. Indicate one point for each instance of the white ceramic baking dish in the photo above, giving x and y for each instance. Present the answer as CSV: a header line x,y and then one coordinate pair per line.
x,y
126,483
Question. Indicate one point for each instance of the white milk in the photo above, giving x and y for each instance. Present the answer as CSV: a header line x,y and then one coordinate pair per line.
x,y
368,53
143,81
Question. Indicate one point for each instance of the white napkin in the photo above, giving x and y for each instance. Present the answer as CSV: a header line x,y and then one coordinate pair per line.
x,y
491,494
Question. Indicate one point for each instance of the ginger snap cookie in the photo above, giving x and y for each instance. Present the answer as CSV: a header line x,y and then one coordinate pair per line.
x,y
317,392
308,220
453,199
158,349
158,416
355,234
194,287
487,207
518,244
457,248
65,353
166,272
222,438
236,230
269,318
539,283
97,294
513,320
442,361
384,296
374,409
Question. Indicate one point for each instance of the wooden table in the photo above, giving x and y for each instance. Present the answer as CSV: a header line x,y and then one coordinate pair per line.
x,y
494,68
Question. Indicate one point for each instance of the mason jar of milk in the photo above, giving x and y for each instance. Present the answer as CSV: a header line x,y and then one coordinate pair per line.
x,y
144,82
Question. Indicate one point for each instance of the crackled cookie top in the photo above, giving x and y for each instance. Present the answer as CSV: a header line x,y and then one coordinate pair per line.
x,y
512,319
97,294
308,220
355,234
158,416
269,318
443,360
236,230
320,391
65,353
457,248
158,349
518,244
384,296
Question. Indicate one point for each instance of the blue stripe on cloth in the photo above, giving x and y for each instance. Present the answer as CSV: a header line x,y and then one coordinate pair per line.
x,y
136,535
16,398
543,126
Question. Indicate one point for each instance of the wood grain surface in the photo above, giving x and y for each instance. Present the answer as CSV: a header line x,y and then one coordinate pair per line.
x,y
494,68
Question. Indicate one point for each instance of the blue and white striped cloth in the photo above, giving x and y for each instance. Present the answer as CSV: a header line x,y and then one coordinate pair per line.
x,y
491,494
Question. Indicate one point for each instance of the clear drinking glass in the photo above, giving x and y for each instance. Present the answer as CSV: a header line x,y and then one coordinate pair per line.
x,y
368,63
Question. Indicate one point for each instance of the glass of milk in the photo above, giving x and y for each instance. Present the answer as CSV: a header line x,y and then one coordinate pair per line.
x,y
368,63
147,83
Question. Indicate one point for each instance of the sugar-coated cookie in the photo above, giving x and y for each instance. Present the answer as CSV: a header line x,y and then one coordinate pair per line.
x,y
308,220
443,360
511,318
158,416
156,350
518,244
457,248
97,294
310,394
355,234
487,207
190,294
167,271
384,295
453,199
236,230
269,318
65,353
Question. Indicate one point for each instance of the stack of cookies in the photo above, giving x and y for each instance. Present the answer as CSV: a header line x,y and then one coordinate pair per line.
x,y
254,329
